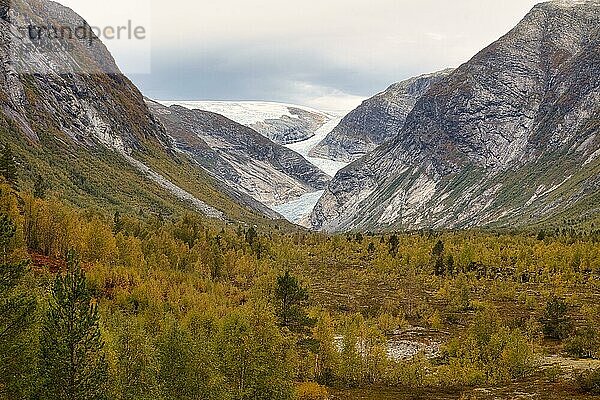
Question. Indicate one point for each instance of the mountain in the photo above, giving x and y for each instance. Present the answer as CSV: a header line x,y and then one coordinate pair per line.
x,y
510,138
282,123
239,156
74,119
377,120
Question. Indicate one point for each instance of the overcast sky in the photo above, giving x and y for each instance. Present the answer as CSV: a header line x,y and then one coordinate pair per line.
x,y
322,53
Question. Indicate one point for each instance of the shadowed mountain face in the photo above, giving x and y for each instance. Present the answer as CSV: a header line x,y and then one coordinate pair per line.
x,y
376,120
240,156
511,137
72,118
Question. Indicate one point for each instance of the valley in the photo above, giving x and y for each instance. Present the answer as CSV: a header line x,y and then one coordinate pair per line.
x,y
439,241
253,114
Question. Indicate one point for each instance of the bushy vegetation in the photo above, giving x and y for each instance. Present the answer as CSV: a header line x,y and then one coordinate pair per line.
x,y
589,381
126,306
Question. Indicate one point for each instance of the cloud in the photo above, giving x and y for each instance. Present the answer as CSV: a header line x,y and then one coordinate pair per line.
x,y
436,36
312,51
322,97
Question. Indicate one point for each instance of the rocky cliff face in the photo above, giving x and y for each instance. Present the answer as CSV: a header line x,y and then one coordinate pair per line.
x,y
376,120
68,85
240,156
72,117
511,137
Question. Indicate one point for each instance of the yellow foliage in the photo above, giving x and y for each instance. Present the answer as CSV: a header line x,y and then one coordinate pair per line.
x,y
311,391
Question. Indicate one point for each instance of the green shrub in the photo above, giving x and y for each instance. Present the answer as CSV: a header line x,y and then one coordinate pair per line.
x,y
491,351
589,381
555,321
584,344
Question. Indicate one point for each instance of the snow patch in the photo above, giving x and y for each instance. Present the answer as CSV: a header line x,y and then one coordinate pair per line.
x,y
298,210
252,112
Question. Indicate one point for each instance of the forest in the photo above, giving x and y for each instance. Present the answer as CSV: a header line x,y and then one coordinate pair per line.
x,y
97,305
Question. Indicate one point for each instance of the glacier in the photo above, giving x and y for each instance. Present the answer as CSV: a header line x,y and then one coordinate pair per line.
x,y
250,113
330,167
243,112
297,210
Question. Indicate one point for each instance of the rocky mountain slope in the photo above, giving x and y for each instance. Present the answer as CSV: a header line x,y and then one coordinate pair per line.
x,y
282,123
240,156
376,120
510,138
72,118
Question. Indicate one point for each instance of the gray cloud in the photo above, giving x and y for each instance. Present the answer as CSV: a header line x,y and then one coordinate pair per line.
x,y
308,52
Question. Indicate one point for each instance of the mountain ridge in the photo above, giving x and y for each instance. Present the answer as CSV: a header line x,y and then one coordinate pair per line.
x,y
377,120
467,153
73,119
